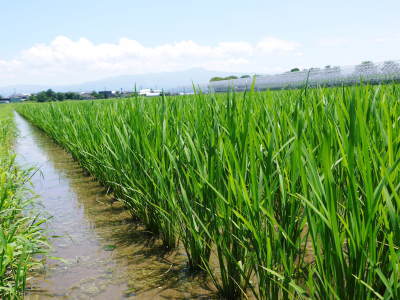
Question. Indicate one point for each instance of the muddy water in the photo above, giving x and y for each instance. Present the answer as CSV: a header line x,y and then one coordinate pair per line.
x,y
106,255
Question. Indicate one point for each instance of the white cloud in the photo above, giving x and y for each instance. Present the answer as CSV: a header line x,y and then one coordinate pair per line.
x,y
67,61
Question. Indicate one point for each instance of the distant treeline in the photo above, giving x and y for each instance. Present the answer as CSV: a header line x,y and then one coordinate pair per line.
x,y
229,78
50,95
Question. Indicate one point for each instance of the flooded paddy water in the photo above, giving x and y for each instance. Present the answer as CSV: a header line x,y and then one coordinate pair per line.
x,y
105,254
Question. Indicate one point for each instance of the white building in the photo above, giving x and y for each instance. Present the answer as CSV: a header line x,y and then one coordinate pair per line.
x,y
150,92
144,92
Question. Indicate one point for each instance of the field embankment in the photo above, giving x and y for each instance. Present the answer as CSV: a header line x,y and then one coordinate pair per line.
x,y
20,232
295,193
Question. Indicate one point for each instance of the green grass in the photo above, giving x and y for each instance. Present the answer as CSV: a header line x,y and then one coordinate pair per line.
x,y
21,237
286,194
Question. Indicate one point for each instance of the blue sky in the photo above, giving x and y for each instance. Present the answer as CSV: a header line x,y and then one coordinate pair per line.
x,y
72,41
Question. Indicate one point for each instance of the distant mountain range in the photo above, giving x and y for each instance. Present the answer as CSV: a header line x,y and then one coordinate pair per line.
x,y
166,80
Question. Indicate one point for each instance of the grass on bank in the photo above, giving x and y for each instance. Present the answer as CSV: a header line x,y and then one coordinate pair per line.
x,y
20,233
294,193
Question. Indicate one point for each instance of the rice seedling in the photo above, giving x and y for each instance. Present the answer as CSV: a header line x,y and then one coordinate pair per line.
x,y
21,237
277,194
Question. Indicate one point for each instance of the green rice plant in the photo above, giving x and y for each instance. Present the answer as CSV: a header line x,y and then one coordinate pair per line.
x,y
350,175
276,195
21,235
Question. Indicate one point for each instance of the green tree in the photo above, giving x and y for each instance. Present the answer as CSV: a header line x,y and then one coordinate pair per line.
x,y
216,79
72,96
50,95
60,96
42,96
96,95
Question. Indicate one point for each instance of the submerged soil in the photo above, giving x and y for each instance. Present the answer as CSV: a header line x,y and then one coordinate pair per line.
x,y
104,253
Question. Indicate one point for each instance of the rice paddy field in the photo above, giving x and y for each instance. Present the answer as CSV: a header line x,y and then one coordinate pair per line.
x,y
21,236
289,194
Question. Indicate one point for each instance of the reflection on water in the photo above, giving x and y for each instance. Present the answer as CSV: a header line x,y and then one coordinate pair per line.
x,y
107,255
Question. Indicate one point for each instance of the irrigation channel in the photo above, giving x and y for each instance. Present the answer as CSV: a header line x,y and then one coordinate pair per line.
x,y
105,254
